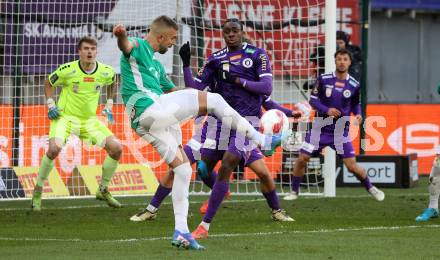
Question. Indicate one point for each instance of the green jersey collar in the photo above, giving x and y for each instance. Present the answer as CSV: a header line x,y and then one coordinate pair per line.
x,y
149,48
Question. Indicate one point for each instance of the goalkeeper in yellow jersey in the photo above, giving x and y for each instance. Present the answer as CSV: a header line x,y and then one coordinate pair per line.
x,y
75,113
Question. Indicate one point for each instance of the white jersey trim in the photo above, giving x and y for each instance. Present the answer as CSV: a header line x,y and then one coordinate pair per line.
x,y
137,76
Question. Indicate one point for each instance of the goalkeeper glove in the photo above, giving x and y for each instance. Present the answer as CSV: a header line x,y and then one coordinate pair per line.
x,y
226,76
185,54
53,112
107,111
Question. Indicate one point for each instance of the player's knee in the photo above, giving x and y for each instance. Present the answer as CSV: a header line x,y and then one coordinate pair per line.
x,y
265,178
53,151
115,151
352,167
302,160
229,164
214,100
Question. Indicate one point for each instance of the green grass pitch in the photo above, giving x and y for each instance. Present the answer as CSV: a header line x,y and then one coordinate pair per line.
x,y
350,226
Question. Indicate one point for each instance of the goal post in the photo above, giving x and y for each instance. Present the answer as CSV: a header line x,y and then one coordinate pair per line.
x,y
329,166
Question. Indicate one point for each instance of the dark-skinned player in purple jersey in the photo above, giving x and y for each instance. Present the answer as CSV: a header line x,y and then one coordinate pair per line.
x,y
243,77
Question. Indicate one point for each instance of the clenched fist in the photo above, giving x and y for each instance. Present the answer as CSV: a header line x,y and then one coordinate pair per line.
x,y
119,30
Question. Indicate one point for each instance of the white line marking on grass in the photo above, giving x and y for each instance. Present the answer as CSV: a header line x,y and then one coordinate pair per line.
x,y
127,204
317,231
226,201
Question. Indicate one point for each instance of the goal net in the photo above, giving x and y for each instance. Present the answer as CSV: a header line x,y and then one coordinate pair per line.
x,y
38,36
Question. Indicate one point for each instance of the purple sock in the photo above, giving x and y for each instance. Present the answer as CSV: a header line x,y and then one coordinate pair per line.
x,y
295,181
366,182
160,195
210,180
272,199
217,195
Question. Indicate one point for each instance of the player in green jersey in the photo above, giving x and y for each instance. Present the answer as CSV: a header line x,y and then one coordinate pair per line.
x,y
157,116
75,113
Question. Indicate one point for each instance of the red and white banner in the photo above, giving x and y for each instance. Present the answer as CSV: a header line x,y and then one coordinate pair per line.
x,y
289,47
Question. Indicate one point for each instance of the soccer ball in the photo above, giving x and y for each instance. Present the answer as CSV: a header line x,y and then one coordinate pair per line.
x,y
274,122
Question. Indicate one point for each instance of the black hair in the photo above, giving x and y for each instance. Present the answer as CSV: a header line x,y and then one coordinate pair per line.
x,y
344,52
233,20
341,35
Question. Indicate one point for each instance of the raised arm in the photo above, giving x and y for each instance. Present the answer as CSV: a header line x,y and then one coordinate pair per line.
x,y
123,43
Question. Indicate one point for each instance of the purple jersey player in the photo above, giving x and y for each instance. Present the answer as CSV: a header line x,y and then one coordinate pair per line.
x,y
335,97
241,73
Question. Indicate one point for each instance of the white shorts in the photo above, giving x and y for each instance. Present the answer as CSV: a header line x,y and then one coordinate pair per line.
x,y
160,123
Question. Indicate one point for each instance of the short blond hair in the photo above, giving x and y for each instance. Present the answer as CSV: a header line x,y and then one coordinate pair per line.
x,y
162,22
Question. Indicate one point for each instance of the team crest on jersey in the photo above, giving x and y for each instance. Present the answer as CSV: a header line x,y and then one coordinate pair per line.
x,y
346,93
247,63
98,87
328,92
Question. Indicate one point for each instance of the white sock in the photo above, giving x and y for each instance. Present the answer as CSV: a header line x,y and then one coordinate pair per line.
x,y
218,106
205,225
151,208
434,192
179,194
434,185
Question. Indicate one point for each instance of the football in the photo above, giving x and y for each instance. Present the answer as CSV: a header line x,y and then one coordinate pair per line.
x,y
273,122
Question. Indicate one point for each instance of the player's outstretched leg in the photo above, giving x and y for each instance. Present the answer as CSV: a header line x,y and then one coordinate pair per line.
x,y
114,150
362,176
191,103
434,192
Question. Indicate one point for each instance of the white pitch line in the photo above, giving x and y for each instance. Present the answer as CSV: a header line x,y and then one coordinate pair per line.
x,y
128,204
226,201
294,232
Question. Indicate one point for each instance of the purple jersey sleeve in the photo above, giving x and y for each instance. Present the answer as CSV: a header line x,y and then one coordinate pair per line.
x,y
269,104
205,76
317,92
189,81
263,69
